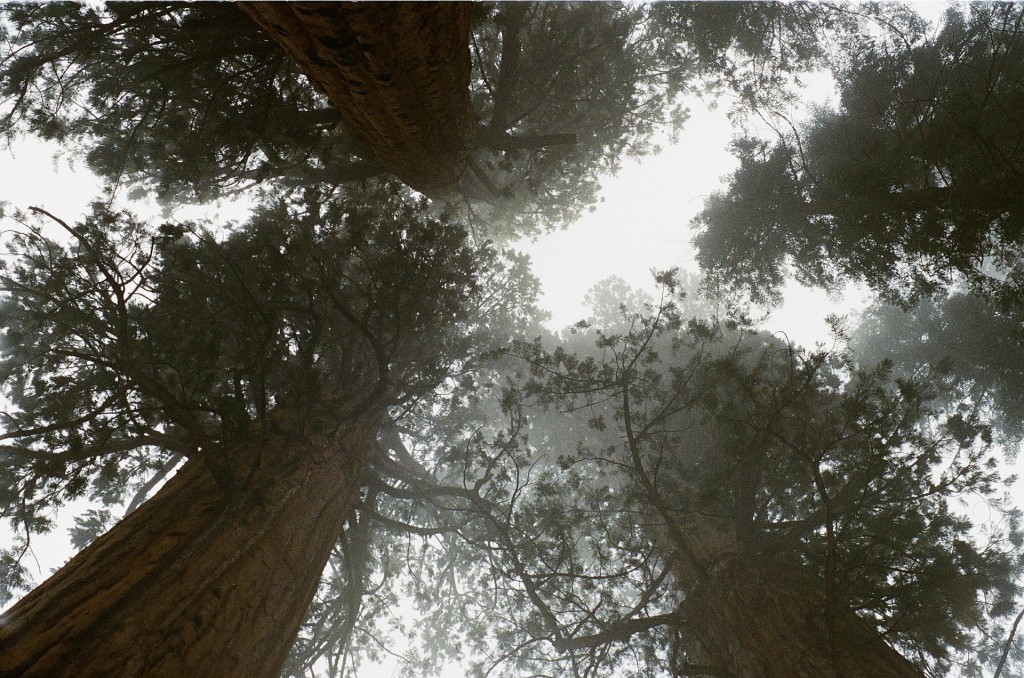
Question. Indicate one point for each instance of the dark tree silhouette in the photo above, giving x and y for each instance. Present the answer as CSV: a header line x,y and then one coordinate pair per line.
x,y
271,360
913,182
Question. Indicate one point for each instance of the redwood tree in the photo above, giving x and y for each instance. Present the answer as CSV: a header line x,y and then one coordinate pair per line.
x,y
269,359
912,181
680,498
398,74
197,100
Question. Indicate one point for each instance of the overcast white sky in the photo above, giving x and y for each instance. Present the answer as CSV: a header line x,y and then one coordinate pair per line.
x,y
644,223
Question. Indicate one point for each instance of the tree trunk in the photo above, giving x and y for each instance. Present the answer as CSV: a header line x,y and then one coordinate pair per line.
x,y
199,581
746,619
397,72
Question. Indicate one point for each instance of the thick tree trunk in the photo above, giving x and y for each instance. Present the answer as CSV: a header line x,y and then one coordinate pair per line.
x,y
398,72
198,581
747,619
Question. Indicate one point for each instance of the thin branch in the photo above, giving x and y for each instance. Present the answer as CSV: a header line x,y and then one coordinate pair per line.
x,y
127,445
148,486
72,423
1008,644
405,527
503,141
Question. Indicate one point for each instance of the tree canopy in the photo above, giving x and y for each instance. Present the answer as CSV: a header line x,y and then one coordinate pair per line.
x,y
964,333
194,100
912,182
129,344
130,348
638,464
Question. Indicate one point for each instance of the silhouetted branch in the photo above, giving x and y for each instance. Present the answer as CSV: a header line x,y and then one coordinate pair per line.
x,y
619,632
148,486
1007,645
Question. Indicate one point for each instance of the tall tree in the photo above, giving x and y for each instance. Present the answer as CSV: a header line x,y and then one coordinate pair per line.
x,y
914,181
270,359
964,333
192,100
691,500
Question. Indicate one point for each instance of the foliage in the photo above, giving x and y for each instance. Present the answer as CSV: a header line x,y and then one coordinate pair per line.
x,y
913,182
192,102
125,347
759,51
618,448
534,501
90,525
970,336
185,99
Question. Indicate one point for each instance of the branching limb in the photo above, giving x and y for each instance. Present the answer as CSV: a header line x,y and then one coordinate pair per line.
x,y
126,445
1007,645
621,631
69,424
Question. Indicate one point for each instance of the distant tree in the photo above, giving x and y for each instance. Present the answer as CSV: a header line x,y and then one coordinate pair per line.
x,y
685,499
274,360
193,100
912,182
973,338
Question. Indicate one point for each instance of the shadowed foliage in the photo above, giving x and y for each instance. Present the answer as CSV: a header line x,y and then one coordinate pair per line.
x,y
912,182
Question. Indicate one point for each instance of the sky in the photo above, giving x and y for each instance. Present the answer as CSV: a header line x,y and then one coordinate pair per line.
x,y
643,223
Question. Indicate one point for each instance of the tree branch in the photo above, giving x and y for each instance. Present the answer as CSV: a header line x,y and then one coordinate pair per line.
x,y
405,527
515,15
380,388
73,423
619,632
1007,645
339,173
148,486
161,441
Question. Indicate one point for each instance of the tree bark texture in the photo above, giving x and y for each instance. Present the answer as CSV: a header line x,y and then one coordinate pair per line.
x,y
199,581
748,619
398,72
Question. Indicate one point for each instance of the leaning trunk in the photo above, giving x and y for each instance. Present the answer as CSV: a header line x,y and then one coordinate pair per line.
x,y
199,581
398,73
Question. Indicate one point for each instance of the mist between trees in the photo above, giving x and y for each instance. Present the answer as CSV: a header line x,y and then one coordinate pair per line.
x,y
338,433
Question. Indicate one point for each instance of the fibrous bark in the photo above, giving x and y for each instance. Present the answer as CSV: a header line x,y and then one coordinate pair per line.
x,y
745,618
201,580
397,72
748,621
